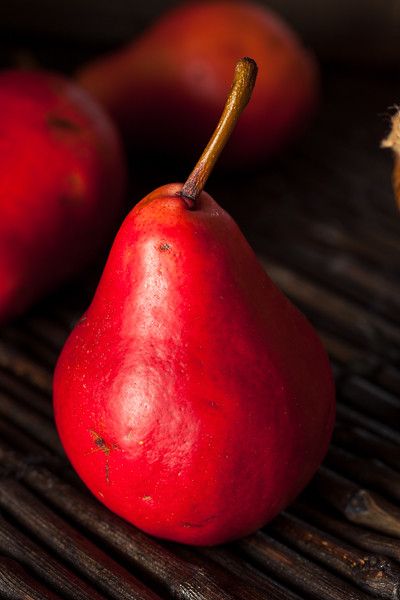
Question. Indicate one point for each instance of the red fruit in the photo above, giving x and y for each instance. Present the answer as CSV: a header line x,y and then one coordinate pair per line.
x,y
192,398
62,183
178,72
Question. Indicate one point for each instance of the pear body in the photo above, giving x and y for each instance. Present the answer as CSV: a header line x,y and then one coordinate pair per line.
x,y
192,398
62,184
179,71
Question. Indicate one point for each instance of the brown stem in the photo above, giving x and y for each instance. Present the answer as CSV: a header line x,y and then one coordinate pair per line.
x,y
238,97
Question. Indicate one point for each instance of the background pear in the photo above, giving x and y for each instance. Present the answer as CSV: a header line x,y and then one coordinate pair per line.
x,y
62,184
178,72
192,397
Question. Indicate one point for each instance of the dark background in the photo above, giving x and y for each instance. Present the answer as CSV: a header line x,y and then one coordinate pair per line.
x,y
358,31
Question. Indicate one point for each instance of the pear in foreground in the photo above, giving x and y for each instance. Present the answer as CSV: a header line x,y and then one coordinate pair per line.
x,y
192,397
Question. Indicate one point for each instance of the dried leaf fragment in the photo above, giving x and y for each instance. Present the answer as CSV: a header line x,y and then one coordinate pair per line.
x,y
393,142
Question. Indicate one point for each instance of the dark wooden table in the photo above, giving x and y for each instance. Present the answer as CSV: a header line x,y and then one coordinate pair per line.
x,y
322,219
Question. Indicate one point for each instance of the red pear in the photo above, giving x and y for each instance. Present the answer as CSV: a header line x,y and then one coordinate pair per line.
x,y
178,72
62,183
192,397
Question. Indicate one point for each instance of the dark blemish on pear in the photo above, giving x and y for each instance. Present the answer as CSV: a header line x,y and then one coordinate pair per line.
x,y
63,124
164,247
187,524
101,444
213,404
103,447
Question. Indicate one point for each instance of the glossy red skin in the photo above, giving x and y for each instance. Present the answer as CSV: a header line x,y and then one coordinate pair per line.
x,y
62,184
180,71
192,398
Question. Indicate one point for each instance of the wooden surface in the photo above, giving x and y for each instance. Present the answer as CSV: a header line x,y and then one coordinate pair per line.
x,y
322,219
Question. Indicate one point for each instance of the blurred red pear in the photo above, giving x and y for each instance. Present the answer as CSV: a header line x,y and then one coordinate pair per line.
x,y
62,183
178,72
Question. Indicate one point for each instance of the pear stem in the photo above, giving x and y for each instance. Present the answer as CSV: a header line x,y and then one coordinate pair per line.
x,y
238,97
